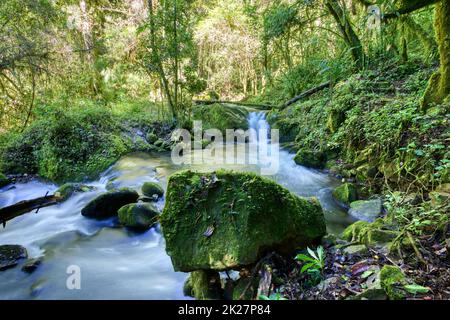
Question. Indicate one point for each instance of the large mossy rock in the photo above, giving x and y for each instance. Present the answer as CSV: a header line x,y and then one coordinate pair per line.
x,y
10,255
3,180
345,194
310,159
226,219
221,116
151,188
108,204
367,210
140,216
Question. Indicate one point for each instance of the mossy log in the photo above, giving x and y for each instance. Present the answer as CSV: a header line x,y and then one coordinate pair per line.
x,y
306,94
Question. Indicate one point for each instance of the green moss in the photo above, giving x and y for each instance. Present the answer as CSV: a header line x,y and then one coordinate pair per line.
x,y
151,188
140,216
371,234
334,120
392,281
151,137
345,193
226,219
310,159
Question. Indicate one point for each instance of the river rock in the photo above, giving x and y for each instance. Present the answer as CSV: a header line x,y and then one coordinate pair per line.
x,y
31,265
140,216
367,210
345,194
107,204
310,159
67,190
150,189
10,255
4,180
226,219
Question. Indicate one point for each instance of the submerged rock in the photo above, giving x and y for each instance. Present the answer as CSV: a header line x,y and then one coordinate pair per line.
x,y
141,216
226,219
345,194
10,255
31,265
107,204
150,189
367,210
67,190
310,159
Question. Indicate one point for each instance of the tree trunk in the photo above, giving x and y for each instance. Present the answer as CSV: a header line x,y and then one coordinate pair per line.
x,y
439,84
350,37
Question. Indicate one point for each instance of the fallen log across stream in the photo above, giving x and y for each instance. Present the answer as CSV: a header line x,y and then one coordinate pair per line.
x,y
244,104
25,206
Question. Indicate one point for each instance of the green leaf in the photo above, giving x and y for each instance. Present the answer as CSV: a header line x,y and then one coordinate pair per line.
x,y
415,288
303,257
312,253
306,267
263,297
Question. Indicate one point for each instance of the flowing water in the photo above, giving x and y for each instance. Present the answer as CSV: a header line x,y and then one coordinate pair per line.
x,y
116,263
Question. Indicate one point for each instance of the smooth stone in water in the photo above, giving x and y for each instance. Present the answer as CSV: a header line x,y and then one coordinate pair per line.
x,y
141,216
31,265
10,255
149,189
108,204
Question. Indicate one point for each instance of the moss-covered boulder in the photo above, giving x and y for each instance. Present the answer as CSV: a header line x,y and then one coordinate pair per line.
x,y
149,189
108,204
11,255
367,210
311,159
3,180
140,216
203,285
221,116
225,219
392,281
345,194
67,190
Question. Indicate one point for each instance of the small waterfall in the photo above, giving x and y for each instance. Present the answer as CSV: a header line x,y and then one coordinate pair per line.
x,y
257,121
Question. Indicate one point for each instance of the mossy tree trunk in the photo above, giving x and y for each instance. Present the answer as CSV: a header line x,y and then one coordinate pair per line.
x,y
439,84
351,38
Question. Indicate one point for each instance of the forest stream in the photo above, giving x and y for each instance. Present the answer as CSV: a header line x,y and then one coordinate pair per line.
x,y
117,263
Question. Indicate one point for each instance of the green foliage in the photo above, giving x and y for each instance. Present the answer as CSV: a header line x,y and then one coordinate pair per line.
x,y
314,263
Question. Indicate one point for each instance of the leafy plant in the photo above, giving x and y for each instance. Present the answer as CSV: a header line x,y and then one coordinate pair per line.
x,y
314,263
